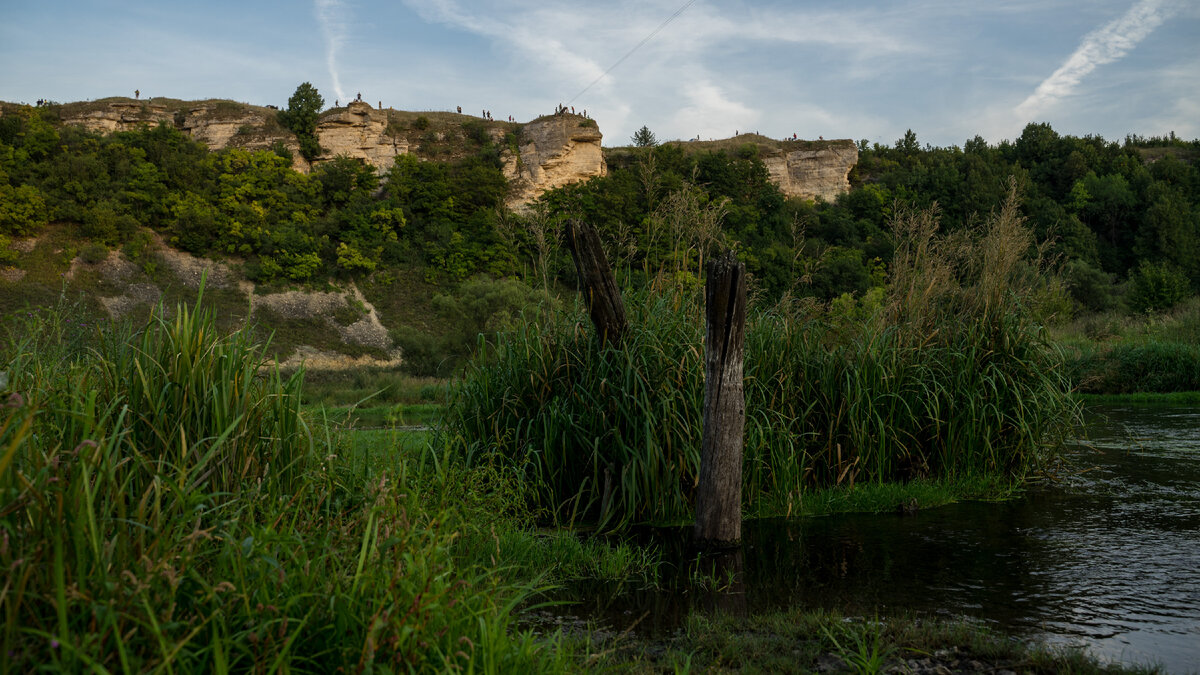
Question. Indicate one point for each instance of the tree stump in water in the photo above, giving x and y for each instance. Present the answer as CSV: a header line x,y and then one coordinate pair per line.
x,y
719,492
596,282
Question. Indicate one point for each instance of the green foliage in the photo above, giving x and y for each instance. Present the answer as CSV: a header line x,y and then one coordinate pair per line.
x,y
831,399
300,116
475,130
22,210
1156,287
93,253
168,511
450,215
421,123
474,311
1126,368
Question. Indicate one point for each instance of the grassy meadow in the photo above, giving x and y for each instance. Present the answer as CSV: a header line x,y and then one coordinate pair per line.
x,y
171,502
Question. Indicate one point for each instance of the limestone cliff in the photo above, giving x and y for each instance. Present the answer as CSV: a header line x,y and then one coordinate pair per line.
x,y
553,151
549,152
360,132
116,116
810,172
804,169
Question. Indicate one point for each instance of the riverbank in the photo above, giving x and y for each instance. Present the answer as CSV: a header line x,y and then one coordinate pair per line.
x,y
798,641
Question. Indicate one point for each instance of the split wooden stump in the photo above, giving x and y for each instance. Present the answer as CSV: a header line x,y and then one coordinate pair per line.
x,y
596,282
719,491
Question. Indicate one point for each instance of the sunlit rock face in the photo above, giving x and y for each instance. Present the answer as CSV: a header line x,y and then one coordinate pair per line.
x,y
359,132
808,173
553,151
550,151
118,116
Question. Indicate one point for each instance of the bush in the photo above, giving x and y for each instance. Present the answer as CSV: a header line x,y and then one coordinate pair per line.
x,y
1156,287
1089,286
477,131
23,211
421,123
93,253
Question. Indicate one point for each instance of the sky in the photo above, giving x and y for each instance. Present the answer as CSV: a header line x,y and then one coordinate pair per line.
x,y
947,69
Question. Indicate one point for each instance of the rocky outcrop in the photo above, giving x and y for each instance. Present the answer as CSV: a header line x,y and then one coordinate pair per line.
x,y
360,132
118,116
550,152
553,151
817,169
216,131
366,330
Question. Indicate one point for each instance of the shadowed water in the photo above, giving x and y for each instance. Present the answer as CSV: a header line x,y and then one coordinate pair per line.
x,y
1108,559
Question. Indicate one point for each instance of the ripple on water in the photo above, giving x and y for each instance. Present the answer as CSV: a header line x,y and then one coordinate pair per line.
x,y
1109,561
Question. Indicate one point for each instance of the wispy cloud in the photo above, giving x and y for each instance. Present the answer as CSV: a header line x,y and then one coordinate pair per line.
x,y
1105,45
330,16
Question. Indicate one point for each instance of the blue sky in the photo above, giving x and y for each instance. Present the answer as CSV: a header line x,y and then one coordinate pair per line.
x,y
948,69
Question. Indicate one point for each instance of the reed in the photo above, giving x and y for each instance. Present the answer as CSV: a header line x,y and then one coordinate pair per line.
x,y
163,507
948,378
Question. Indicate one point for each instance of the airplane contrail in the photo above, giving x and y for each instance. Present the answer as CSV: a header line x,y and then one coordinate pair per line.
x,y
333,30
1107,44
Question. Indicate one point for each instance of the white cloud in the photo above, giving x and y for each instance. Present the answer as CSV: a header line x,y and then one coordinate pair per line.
x,y
685,76
329,15
711,112
1105,45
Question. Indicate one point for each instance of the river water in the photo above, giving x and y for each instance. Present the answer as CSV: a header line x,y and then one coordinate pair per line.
x,y
1107,559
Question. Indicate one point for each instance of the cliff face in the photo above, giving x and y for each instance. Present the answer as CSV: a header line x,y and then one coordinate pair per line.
x,y
553,151
360,132
810,173
118,116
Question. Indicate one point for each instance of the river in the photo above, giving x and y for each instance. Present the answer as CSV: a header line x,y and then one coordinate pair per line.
x,y
1106,558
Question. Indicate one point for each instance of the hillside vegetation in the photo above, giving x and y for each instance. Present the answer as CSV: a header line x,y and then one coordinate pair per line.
x,y
1121,218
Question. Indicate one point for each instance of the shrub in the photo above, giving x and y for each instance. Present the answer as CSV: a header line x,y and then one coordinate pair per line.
x,y
1156,287
421,123
477,131
94,252
23,211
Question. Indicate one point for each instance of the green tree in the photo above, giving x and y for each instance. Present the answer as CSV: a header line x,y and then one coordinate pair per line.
x,y
644,138
1156,287
301,117
22,210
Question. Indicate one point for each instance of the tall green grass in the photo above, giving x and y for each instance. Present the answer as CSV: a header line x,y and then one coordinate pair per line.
x,y
164,508
1115,354
946,376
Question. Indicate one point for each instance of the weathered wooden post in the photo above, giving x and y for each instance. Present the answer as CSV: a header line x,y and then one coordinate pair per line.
x,y
719,492
596,282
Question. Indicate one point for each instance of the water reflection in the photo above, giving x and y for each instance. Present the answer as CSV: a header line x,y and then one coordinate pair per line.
x,y
1110,560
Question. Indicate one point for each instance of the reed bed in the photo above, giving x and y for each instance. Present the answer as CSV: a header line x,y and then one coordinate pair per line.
x,y
948,376
163,507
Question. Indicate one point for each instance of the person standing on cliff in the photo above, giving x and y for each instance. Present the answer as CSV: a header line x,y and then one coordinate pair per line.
x,y
137,93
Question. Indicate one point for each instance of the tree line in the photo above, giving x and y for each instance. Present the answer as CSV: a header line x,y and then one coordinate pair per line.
x,y
1123,218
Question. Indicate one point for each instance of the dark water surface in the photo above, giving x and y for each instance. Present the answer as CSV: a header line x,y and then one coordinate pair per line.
x,y
1109,559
